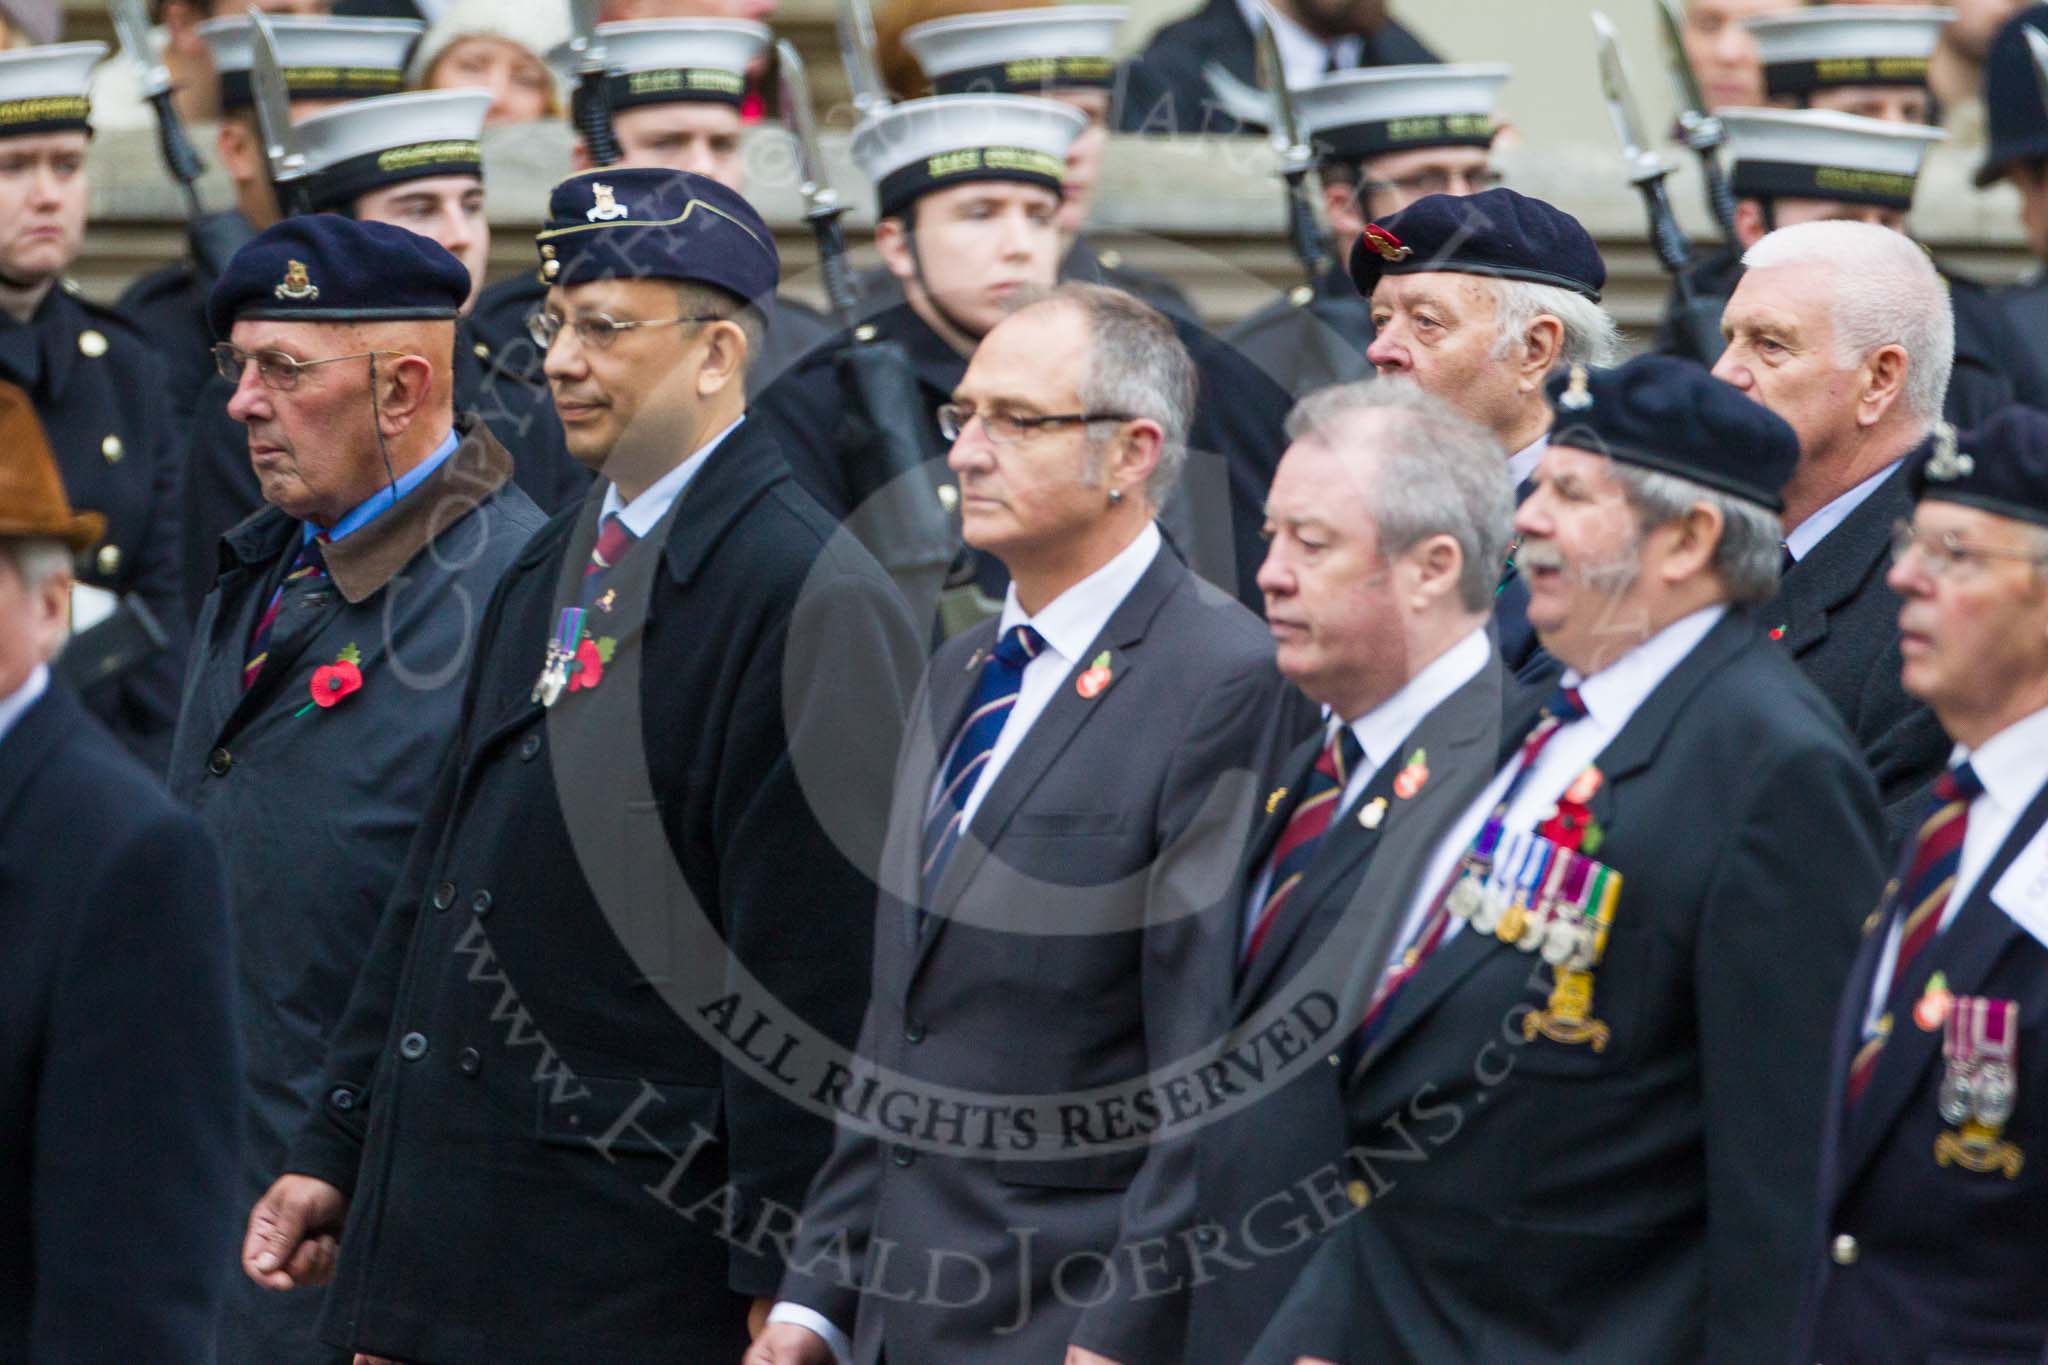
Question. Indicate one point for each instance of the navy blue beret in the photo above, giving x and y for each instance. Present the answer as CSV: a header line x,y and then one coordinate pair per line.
x,y
2001,466
1495,232
649,223
326,268
1672,416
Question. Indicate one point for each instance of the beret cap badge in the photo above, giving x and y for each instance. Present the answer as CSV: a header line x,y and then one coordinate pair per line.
x,y
1576,398
296,284
1385,244
607,207
1947,463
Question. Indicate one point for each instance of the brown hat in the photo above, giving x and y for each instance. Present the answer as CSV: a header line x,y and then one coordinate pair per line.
x,y
32,502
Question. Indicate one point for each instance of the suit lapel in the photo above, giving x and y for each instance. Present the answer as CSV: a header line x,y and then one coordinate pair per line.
x,y
1838,567
1965,953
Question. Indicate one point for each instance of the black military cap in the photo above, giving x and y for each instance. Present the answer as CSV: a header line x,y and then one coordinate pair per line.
x,y
1495,232
2001,466
326,268
2016,121
648,222
1672,416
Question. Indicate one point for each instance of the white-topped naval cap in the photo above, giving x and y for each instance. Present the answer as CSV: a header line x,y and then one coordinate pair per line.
x,y
1392,108
652,61
1834,45
60,71
926,144
1820,154
322,58
1007,51
387,123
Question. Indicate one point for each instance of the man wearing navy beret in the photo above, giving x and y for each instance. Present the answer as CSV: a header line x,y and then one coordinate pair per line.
x,y
1932,1189
667,786
321,699
1477,299
1585,1122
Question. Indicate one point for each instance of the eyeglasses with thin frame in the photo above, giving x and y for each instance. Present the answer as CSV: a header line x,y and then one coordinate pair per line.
x,y
1007,428
598,330
1942,552
276,369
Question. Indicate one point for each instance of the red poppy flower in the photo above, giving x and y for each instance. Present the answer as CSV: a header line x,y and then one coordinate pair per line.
x,y
332,682
589,667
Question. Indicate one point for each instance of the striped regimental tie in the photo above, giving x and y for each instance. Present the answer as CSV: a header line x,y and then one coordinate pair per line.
x,y
1295,849
614,538
308,563
994,695
1923,892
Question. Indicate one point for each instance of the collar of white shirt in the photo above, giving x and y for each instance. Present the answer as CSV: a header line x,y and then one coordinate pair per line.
x,y
1381,730
643,513
2013,763
1305,56
1070,622
1614,693
14,706
1809,533
1522,464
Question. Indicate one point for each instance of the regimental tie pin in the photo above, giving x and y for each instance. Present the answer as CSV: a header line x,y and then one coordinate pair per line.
x,y
1372,812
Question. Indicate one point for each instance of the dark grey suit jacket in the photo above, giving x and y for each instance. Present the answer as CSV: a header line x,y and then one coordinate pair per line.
x,y
1840,624
1059,956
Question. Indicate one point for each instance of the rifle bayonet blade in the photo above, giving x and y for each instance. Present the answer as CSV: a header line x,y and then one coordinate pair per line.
x,y
799,120
272,95
856,24
131,27
1245,103
583,16
1285,129
1671,30
1621,104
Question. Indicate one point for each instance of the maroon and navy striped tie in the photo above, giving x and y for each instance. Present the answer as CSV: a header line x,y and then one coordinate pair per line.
x,y
306,564
1923,892
614,538
1295,849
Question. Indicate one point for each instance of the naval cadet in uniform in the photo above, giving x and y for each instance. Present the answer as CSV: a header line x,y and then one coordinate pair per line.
x,y
328,663
1932,1188
99,391
1842,329
2016,124
1476,300
670,775
1075,783
325,61
675,88
1383,138
1789,166
413,161
118,1046
1587,1116
968,188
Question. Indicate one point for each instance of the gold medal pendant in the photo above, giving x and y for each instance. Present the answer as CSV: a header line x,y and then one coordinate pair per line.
x,y
1566,1020
1977,1147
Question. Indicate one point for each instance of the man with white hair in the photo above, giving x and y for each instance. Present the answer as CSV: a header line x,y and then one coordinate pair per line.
x,y
1586,1123
1477,299
1844,330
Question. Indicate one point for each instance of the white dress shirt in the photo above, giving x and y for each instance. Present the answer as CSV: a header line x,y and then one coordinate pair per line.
x,y
2012,764
1612,697
1809,533
645,512
1522,464
1069,624
1305,57
14,705
1381,732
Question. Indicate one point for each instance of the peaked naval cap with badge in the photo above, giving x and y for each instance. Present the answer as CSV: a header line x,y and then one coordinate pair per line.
x,y
326,268
323,59
671,61
1496,232
1670,415
639,223
910,149
1019,52
1351,115
365,145
1999,467
46,89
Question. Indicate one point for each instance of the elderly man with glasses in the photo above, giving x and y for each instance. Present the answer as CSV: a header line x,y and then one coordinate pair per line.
x,y
329,663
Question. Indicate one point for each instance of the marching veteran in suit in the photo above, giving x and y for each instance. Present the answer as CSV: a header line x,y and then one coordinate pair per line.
x,y
552,1126
1587,1115
1065,803
1932,1188
325,685
1386,524
118,1057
